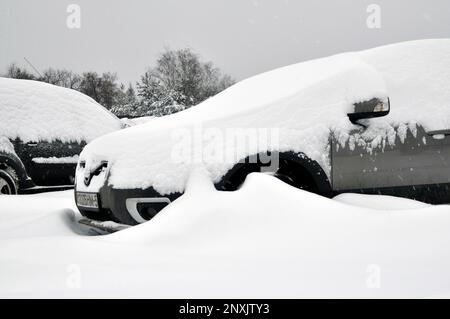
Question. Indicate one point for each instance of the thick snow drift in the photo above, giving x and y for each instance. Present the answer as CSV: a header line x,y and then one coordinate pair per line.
x,y
35,111
265,240
380,202
296,108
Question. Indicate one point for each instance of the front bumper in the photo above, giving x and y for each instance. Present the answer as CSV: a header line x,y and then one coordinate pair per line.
x,y
128,206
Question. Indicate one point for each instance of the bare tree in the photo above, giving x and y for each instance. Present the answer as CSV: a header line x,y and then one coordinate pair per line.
x,y
15,72
62,78
104,89
179,80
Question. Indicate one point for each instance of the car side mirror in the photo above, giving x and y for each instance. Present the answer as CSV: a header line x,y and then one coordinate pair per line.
x,y
375,107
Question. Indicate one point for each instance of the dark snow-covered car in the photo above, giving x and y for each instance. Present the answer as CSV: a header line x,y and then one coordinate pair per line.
x,y
374,122
43,128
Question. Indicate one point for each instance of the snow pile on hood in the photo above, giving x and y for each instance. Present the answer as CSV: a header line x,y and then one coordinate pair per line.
x,y
266,240
299,105
35,111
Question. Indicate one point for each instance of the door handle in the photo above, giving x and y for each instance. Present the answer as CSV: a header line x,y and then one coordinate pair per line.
x,y
439,132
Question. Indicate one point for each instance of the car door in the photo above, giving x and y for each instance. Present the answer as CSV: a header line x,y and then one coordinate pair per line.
x,y
416,165
50,163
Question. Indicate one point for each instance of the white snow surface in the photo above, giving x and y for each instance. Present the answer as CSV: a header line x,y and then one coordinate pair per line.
x,y
36,111
266,240
56,160
380,202
299,105
137,120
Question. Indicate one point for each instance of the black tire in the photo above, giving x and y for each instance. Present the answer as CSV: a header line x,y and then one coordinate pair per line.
x,y
288,171
8,185
297,177
290,179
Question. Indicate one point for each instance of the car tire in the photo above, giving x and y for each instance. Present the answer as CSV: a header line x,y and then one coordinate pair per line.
x,y
286,175
8,184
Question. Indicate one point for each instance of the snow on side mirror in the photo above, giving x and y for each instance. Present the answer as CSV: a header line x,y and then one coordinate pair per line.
x,y
375,107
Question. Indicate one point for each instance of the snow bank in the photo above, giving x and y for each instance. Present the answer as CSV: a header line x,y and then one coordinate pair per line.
x,y
266,240
35,111
31,216
380,202
297,107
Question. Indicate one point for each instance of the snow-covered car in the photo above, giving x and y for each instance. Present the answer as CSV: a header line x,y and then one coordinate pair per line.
x,y
375,121
43,128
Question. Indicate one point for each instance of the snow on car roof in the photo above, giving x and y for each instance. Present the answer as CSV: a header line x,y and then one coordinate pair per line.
x,y
34,111
304,102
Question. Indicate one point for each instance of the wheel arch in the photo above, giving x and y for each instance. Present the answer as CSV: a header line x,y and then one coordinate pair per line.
x,y
13,161
299,159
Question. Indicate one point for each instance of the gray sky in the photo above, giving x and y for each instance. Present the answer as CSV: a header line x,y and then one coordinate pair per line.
x,y
243,37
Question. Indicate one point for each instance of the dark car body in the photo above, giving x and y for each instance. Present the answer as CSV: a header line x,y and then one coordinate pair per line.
x,y
417,167
39,163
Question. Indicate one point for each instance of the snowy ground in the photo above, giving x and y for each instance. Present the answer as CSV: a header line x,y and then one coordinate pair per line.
x,y
265,240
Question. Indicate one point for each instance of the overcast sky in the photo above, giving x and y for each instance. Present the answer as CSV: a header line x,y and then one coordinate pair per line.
x,y
243,37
